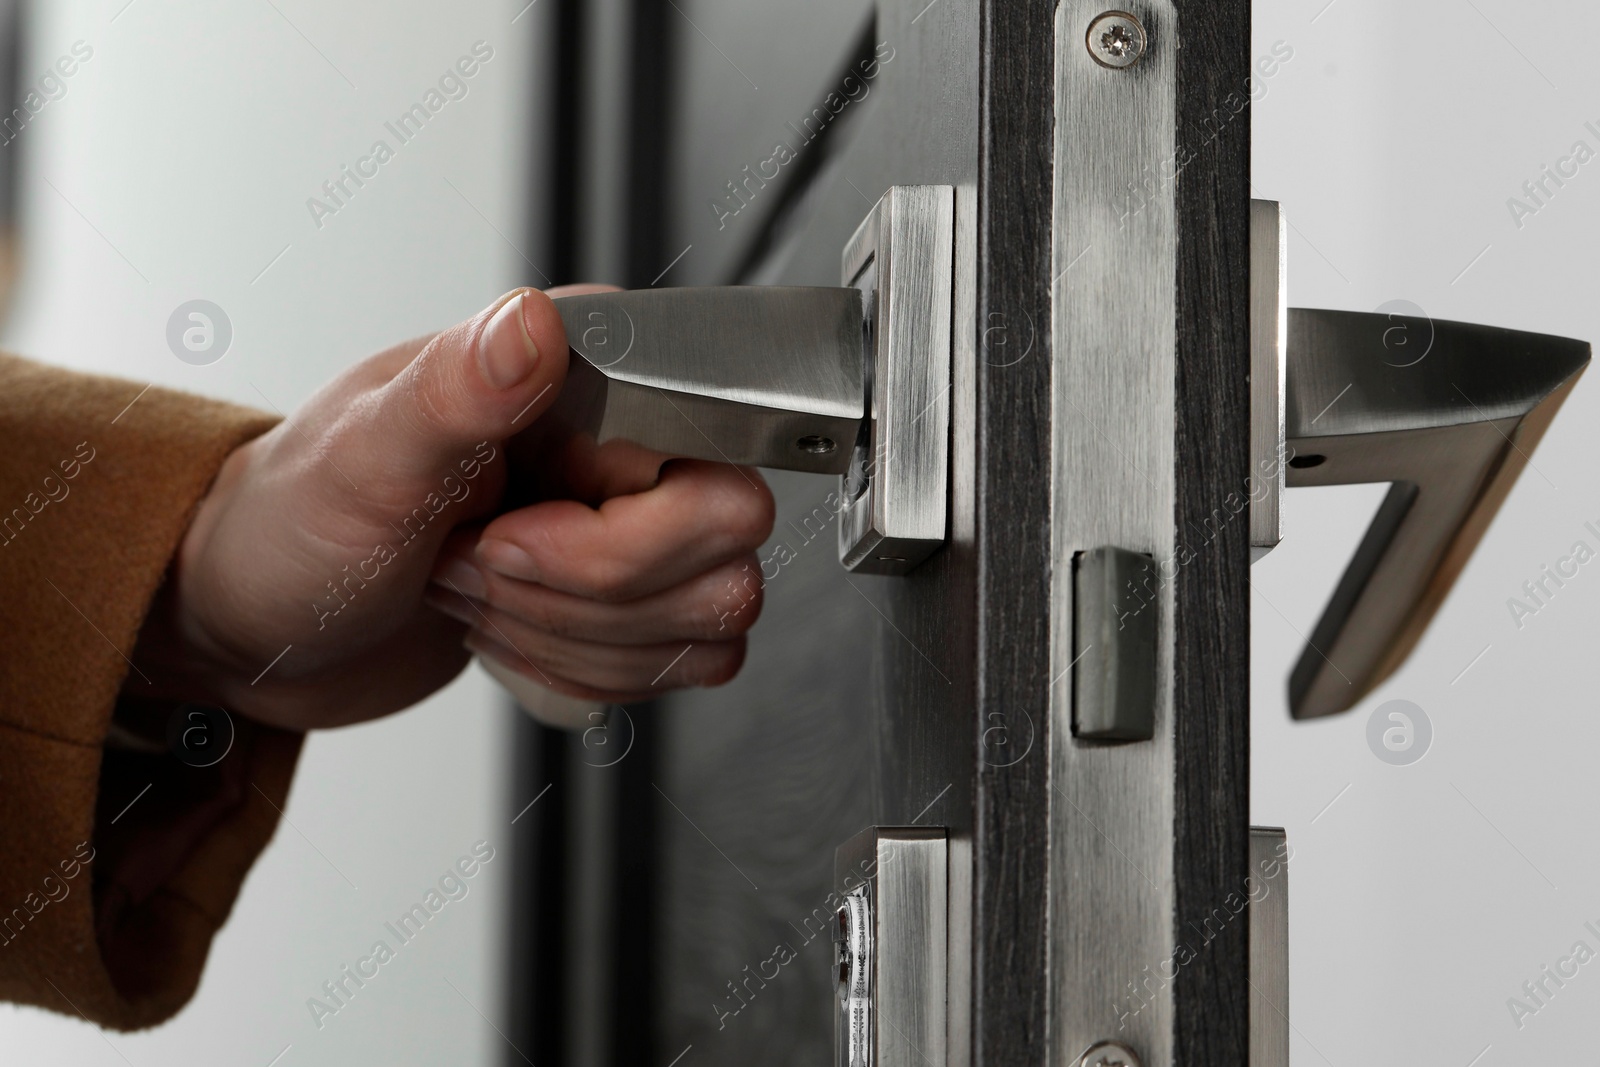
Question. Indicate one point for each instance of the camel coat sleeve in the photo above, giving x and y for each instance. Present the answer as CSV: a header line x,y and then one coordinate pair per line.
x,y
117,864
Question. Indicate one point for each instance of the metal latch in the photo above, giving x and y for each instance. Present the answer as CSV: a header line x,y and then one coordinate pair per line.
x,y
1268,891
890,947
1450,417
851,381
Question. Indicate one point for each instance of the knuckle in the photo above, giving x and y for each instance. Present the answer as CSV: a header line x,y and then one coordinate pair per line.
x,y
426,394
722,662
734,623
609,583
536,616
749,515
533,613
736,605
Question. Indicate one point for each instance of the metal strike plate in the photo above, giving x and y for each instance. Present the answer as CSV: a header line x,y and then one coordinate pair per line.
x,y
896,489
1269,337
1269,947
890,947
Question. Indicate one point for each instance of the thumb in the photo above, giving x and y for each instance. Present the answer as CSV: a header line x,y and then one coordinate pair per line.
x,y
481,380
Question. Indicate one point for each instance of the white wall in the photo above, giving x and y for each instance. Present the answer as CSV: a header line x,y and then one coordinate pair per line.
x,y
1426,895
181,158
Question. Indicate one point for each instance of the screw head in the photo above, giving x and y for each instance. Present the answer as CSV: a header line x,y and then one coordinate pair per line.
x,y
1116,39
1109,1054
816,446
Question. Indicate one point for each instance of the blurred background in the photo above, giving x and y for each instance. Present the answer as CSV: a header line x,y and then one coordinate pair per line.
x,y
175,164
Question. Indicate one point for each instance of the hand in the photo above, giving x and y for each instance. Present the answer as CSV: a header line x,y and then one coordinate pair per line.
x,y
343,546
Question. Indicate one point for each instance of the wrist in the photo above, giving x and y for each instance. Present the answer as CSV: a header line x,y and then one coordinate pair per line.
x,y
176,656
169,665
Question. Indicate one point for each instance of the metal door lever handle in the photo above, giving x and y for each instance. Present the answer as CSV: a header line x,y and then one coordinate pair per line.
x,y
1452,431
763,375
850,380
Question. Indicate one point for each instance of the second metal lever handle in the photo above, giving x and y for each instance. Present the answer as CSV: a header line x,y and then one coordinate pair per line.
x,y
1451,431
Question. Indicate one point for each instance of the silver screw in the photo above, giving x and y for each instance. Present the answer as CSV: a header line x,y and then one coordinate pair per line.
x,y
1109,1054
1116,39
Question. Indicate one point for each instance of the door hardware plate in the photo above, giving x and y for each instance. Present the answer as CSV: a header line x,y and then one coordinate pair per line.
x,y
1269,947
896,492
890,942
1269,337
1114,482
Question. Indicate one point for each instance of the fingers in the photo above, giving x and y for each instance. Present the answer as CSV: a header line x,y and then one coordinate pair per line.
x,y
697,516
511,660
613,668
690,632
580,469
652,589
478,381
581,289
719,605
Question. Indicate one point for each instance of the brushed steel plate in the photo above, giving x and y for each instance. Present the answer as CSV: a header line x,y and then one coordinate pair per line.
x,y
904,872
1269,337
1114,323
1269,948
896,493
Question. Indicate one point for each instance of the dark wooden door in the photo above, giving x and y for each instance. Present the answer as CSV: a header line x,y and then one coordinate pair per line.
x,y
656,886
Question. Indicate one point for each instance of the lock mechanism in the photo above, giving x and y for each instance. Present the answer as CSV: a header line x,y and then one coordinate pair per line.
x,y
890,947
852,954
852,380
